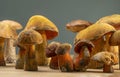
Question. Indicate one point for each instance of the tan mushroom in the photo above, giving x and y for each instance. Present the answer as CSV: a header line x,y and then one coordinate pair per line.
x,y
107,59
77,25
28,39
98,34
47,29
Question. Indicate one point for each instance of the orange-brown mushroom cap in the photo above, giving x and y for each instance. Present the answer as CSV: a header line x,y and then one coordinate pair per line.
x,y
79,44
41,23
77,25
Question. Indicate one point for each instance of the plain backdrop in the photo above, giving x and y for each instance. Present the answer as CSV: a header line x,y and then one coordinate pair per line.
x,y
58,11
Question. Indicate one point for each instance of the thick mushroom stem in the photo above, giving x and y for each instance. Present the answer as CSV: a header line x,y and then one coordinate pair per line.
x,y
30,63
108,68
20,59
2,61
54,62
41,58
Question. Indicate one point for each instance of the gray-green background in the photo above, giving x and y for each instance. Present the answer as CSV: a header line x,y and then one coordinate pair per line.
x,y
58,11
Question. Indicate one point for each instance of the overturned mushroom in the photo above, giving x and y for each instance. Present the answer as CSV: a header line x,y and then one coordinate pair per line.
x,y
47,29
107,58
28,38
83,48
65,62
50,52
77,25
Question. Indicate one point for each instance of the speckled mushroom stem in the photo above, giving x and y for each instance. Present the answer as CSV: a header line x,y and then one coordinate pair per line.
x,y
108,68
54,62
41,58
20,59
30,63
2,61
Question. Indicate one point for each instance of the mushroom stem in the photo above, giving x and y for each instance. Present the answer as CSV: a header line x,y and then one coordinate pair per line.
x,y
2,61
30,63
108,68
41,58
54,62
20,59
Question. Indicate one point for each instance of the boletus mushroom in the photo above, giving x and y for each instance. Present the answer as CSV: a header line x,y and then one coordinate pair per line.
x,y
107,59
47,29
77,25
83,48
50,53
28,39
65,62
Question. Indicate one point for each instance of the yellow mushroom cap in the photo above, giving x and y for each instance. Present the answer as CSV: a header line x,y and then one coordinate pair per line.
x,y
29,37
41,23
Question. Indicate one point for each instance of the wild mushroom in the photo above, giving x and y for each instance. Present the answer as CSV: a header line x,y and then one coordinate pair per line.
x,y
5,32
98,34
9,52
83,48
65,62
28,38
77,25
47,29
107,58
50,52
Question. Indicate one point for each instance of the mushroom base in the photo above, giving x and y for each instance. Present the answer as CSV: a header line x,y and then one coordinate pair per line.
x,y
20,63
108,69
54,63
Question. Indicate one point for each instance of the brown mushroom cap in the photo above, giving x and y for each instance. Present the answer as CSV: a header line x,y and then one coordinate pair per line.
x,y
29,37
113,20
115,38
95,31
79,44
51,48
77,25
41,23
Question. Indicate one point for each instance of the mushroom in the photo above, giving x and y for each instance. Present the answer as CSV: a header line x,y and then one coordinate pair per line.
x,y
65,62
47,29
9,52
83,48
98,34
28,39
5,32
50,52
77,25
107,58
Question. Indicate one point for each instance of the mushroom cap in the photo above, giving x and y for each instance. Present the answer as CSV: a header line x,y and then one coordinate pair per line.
x,y
41,23
7,32
51,48
113,20
77,25
95,32
15,25
63,48
29,37
78,45
115,38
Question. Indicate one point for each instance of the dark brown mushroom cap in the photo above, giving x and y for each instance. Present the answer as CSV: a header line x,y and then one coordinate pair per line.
x,y
77,25
41,23
113,20
95,32
79,44
51,48
29,37
115,38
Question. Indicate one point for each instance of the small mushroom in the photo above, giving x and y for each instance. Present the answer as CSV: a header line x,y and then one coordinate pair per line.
x,y
50,52
83,48
77,25
29,38
65,61
107,58
48,30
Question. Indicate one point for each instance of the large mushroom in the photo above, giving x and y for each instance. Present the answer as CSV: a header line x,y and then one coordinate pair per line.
x,y
98,34
77,25
28,39
10,52
47,29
